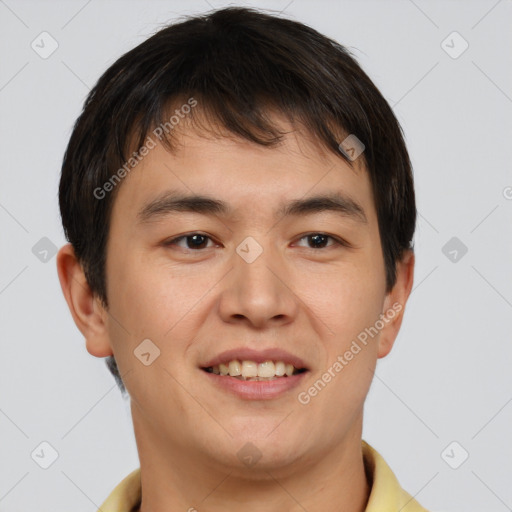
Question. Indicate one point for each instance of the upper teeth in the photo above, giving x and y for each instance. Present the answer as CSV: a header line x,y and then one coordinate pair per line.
x,y
251,369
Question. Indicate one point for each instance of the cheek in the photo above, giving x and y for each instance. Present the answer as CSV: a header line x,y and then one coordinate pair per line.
x,y
346,299
152,300
157,300
145,302
347,306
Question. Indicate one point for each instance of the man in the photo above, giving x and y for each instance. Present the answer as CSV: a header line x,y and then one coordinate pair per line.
x,y
239,203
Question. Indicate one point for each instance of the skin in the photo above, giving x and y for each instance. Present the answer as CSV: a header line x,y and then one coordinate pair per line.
x,y
196,303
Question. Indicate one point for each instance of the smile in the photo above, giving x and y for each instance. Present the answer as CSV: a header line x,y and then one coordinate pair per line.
x,y
252,371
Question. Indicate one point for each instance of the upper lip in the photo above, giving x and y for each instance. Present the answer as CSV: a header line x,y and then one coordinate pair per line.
x,y
258,356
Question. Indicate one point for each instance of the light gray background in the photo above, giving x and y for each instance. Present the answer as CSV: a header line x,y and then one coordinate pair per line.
x,y
448,377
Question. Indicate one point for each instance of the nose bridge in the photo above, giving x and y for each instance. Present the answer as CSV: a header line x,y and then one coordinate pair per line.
x,y
255,289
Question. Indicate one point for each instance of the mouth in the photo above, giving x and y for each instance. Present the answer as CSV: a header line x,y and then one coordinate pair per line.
x,y
248,370
255,375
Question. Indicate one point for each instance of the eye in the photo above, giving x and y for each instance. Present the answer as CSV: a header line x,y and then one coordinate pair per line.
x,y
197,241
192,241
319,240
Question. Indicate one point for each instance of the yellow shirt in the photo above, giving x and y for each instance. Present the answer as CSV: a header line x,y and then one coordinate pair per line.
x,y
386,494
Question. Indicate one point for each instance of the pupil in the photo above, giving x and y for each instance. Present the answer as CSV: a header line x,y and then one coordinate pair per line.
x,y
195,237
316,238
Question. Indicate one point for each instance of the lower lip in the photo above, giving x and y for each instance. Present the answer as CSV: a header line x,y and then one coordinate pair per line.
x,y
254,389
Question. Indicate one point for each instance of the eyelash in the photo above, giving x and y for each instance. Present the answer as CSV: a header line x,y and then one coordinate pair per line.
x,y
337,241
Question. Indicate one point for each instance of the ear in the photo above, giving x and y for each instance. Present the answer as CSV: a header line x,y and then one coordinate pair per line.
x,y
394,303
86,308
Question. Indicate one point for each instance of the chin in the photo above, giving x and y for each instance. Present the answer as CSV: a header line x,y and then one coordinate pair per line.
x,y
259,451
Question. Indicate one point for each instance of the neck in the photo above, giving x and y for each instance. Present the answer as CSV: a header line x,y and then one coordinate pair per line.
x,y
173,478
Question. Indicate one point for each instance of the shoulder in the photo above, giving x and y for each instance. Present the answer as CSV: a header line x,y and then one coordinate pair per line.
x,y
386,495
126,495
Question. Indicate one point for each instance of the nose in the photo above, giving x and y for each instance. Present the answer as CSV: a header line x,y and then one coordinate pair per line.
x,y
258,292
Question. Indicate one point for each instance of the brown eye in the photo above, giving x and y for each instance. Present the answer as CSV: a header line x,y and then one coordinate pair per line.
x,y
192,241
320,240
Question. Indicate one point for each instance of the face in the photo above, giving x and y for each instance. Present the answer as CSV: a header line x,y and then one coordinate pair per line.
x,y
258,273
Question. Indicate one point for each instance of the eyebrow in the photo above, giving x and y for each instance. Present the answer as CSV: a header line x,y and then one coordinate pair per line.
x,y
172,202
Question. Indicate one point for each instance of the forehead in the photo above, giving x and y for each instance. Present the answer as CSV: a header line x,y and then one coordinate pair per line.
x,y
243,175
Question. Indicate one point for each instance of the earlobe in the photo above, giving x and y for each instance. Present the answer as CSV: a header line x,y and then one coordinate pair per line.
x,y
394,303
88,314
